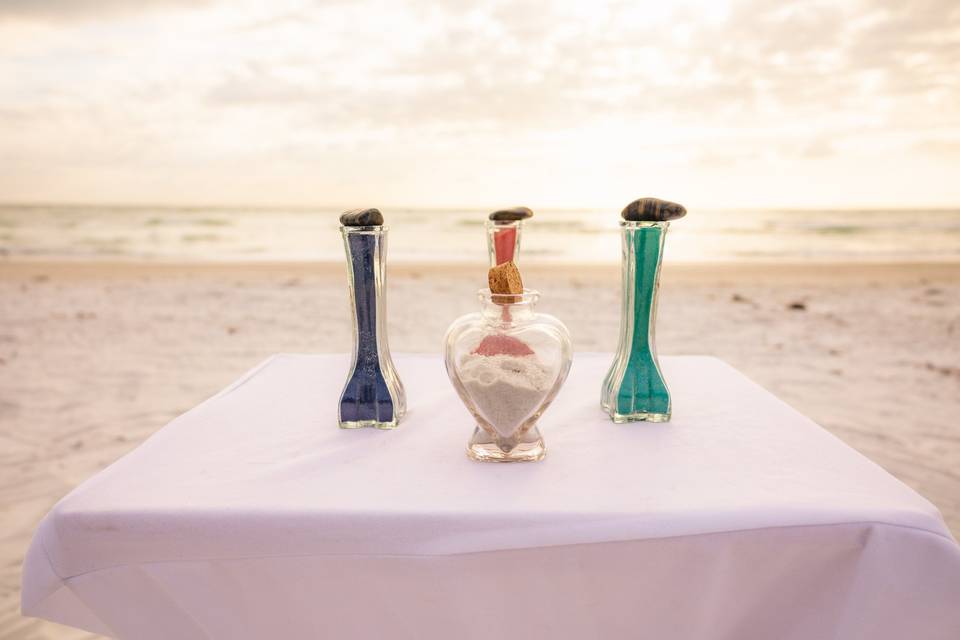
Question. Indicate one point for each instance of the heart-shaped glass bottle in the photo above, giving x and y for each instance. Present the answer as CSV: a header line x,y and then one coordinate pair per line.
x,y
507,363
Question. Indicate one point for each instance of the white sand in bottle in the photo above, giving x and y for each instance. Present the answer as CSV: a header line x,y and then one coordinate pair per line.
x,y
506,389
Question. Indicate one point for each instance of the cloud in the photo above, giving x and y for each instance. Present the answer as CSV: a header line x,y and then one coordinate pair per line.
x,y
73,10
817,148
627,87
939,147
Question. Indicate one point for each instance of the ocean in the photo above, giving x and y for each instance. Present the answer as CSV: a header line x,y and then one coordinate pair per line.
x,y
418,235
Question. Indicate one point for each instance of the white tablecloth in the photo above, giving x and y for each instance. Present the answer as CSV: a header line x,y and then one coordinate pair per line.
x,y
254,516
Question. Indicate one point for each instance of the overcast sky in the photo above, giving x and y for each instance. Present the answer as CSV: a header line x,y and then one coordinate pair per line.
x,y
350,103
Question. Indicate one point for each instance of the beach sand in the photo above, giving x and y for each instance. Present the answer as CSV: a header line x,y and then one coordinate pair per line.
x,y
96,357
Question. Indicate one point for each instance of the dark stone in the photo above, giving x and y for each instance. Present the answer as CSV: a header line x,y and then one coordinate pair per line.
x,y
652,210
362,218
510,215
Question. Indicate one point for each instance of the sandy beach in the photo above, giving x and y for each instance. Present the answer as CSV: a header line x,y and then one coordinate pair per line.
x,y
95,357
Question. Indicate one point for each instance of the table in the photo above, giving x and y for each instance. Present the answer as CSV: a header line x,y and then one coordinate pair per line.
x,y
254,516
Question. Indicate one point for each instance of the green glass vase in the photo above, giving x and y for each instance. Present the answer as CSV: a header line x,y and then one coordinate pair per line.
x,y
634,388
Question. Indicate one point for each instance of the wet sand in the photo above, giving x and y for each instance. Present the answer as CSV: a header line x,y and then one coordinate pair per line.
x,y
96,357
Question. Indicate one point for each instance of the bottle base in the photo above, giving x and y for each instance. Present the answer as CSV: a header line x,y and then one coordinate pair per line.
x,y
528,447
369,424
622,418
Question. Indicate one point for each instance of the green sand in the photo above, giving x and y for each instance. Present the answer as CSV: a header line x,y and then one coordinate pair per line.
x,y
643,390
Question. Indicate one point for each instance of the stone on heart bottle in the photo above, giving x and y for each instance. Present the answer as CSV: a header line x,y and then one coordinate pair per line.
x,y
634,388
503,234
373,395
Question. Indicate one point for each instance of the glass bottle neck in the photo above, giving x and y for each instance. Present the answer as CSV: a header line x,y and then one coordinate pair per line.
x,y
508,309
642,256
630,225
503,241
365,248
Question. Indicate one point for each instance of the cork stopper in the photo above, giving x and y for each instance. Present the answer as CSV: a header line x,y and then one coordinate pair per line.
x,y
505,279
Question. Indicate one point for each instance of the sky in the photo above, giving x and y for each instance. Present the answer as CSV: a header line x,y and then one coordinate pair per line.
x,y
487,103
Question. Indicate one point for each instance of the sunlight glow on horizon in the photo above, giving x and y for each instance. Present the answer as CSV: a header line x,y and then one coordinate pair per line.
x,y
576,104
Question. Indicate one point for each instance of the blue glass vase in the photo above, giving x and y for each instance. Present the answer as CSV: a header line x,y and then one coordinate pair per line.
x,y
373,395
634,388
